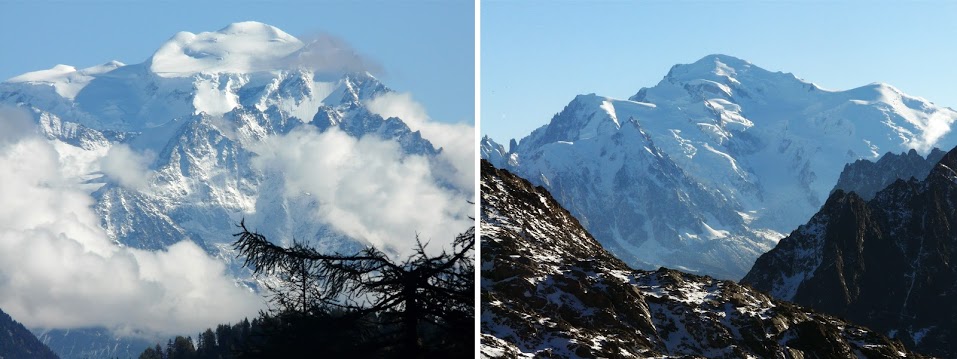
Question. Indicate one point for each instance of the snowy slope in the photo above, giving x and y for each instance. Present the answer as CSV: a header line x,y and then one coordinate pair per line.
x,y
246,64
242,47
493,152
185,128
550,290
197,105
66,80
709,168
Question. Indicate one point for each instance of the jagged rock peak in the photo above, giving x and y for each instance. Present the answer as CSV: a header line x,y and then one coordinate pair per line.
x,y
887,263
866,177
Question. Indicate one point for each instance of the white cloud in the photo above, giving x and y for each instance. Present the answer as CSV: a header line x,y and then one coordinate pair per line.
x,y
325,53
936,127
457,140
127,167
58,269
366,189
15,125
401,105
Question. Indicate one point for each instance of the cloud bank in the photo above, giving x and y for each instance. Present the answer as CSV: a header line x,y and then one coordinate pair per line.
x,y
367,189
457,140
127,167
58,269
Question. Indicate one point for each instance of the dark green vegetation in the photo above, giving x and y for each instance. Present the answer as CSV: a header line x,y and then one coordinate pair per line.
x,y
224,342
17,342
360,305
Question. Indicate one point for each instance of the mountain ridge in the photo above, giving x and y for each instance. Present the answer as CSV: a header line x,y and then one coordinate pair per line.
x,y
761,149
866,178
884,262
16,342
550,289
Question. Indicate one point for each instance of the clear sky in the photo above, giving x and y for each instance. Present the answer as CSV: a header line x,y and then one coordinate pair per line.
x,y
424,47
536,56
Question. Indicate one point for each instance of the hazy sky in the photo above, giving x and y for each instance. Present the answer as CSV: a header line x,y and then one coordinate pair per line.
x,y
536,56
425,47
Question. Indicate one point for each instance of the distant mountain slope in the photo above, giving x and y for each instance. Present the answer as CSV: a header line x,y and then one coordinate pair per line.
x,y
889,263
709,168
550,290
865,177
16,342
92,343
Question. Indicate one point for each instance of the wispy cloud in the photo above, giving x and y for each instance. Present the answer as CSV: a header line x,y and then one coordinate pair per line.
x,y
457,140
326,53
127,167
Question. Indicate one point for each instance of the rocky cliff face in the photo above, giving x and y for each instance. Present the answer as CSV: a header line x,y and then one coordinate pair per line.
x,y
866,177
549,289
887,262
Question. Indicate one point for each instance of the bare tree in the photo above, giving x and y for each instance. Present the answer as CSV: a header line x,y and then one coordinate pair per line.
x,y
423,288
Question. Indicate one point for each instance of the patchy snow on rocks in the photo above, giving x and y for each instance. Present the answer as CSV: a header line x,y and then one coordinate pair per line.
x,y
584,302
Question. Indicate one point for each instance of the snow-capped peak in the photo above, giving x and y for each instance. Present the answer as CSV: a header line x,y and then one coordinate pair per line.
x,y
66,80
61,73
241,47
243,65
710,66
47,75
723,76
754,150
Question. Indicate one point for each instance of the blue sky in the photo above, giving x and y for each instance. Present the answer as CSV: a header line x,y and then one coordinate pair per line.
x,y
536,56
424,47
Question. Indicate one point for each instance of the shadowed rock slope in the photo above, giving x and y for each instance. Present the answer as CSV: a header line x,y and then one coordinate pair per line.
x,y
889,263
16,342
866,178
550,290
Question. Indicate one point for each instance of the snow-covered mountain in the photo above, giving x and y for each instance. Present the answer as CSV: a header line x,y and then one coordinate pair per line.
x,y
549,289
168,148
886,262
196,106
708,169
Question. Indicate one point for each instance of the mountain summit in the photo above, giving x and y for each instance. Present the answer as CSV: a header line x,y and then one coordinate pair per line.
x,y
242,47
718,69
709,168
245,64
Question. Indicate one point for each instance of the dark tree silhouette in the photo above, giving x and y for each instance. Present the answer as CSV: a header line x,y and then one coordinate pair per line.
x,y
151,353
17,342
361,305
422,305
